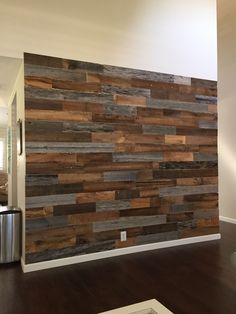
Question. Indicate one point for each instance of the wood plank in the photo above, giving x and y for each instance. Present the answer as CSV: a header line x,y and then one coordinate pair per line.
x,y
61,210
47,61
50,200
96,217
140,202
128,222
169,121
66,178
46,223
58,137
43,180
158,237
54,115
175,139
120,157
65,147
201,140
117,205
40,212
107,186
126,91
41,190
126,194
53,73
95,196
120,176
67,95
127,243
74,85
177,105
52,157
82,106
138,101
122,72
38,82
42,104
188,190
47,245
158,129
178,156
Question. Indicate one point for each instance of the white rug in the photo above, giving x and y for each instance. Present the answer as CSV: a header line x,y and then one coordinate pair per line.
x,y
147,307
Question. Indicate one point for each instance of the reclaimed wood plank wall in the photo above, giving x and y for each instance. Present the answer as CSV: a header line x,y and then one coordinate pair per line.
x,y
112,149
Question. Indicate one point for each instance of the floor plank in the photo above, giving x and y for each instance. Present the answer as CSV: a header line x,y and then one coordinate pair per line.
x,y
194,279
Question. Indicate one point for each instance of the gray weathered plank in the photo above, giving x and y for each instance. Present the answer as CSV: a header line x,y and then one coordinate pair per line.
x,y
43,126
204,157
59,94
206,99
110,89
82,66
120,175
178,165
123,157
50,200
120,110
208,124
206,214
87,127
64,147
54,73
115,71
188,190
156,237
46,223
177,105
112,205
183,80
37,180
159,129
128,222
182,207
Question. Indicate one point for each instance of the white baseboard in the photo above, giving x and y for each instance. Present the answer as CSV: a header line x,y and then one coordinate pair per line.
x,y
116,252
227,219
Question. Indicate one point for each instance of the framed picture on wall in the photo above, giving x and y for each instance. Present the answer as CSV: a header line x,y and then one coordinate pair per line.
x,y
19,137
9,151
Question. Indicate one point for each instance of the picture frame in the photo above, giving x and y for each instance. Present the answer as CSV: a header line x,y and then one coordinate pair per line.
x,y
19,138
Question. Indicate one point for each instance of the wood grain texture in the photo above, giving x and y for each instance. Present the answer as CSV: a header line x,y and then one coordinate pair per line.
x,y
111,149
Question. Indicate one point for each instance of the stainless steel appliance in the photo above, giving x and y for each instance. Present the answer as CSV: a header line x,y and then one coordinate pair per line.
x,y
10,234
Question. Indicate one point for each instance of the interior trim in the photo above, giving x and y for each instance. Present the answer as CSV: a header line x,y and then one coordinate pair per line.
x,y
227,219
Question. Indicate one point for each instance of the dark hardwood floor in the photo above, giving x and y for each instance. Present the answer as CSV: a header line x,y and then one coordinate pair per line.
x,y
193,279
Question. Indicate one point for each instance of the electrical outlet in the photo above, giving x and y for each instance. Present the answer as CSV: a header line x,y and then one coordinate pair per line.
x,y
123,236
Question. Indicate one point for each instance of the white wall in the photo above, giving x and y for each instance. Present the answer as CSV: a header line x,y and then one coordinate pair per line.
x,y
3,135
17,95
9,68
171,36
227,106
